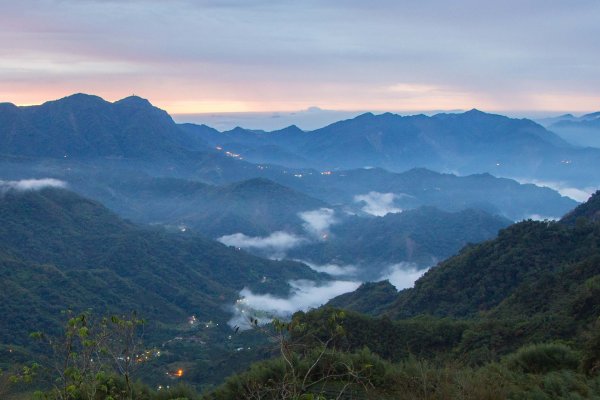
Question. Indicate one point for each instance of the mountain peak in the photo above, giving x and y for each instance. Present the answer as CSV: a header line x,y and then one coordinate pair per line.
x,y
474,111
79,99
591,115
134,101
8,106
421,172
366,115
292,129
80,96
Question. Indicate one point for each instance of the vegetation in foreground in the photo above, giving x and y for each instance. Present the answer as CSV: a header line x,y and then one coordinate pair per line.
x,y
309,366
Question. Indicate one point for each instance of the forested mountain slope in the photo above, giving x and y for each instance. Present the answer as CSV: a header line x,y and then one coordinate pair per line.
x,y
59,250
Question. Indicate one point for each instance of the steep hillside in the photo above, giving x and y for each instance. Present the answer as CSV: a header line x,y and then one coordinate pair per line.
x,y
59,250
530,269
588,211
480,277
370,298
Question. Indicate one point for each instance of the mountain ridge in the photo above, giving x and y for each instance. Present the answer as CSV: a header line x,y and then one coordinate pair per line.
x,y
83,125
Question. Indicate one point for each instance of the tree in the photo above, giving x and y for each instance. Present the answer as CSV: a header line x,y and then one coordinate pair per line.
x,y
88,352
311,368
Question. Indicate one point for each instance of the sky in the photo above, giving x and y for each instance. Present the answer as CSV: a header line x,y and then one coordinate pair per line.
x,y
236,56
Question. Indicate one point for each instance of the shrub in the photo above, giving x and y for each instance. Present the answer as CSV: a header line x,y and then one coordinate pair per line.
x,y
543,358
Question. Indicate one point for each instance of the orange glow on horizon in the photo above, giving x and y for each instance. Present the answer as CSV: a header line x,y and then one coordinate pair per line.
x,y
543,102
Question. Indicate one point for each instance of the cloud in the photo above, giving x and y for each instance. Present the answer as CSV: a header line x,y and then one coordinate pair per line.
x,y
32,184
317,222
402,275
577,194
580,195
378,204
538,217
277,242
333,269
304,295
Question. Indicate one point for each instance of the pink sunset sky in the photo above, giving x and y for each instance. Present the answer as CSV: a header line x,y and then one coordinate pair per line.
x,y
262,56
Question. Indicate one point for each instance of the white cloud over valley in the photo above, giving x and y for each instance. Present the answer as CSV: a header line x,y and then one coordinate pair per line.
x,y
32,184
333,269
304,295
402,275
277,242
378,204
577,194
317,222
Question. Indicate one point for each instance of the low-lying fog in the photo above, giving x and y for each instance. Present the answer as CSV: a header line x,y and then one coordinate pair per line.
x,y
307,294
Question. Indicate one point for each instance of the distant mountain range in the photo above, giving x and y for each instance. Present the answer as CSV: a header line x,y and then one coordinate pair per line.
x,y
125,153
83,126
582,131
466,143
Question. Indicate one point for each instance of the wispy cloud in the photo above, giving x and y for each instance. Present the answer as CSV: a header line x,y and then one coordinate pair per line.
x,y
333,269
303,296
378,204
537,217
402,275
32,184
577,194
277,243
317,222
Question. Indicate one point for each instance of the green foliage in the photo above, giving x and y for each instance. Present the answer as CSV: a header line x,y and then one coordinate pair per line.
x,y
393,340
480,277
543,358
82,361
59,250
419,379
585,213
370,298
591,350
